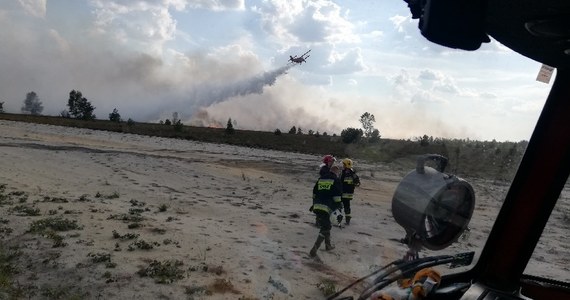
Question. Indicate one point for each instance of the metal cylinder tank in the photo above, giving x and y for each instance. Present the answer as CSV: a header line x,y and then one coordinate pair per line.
x,y
433,207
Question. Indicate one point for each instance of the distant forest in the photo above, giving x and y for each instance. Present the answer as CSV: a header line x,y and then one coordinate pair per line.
x,y
491,160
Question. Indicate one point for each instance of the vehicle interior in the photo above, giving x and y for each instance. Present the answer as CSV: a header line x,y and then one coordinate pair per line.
x,y
539,30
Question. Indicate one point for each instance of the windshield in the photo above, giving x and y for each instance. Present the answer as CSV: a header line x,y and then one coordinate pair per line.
x,y
550,257
171,149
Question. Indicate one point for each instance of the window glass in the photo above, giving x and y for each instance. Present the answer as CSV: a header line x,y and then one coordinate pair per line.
x,y
551,257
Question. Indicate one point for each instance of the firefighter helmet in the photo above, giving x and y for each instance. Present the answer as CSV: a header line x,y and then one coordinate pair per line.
x,y
347,163
328,159
336,217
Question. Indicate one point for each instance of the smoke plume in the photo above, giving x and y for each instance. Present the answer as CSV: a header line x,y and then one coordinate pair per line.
x,y
206,95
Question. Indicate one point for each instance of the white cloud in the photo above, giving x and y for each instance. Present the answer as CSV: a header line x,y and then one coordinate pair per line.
x,y
216,5
146,24
36,8
528,106
304,21
401,23
429,75
345,63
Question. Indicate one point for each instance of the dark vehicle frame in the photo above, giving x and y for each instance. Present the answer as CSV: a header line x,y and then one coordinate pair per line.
x,y
540,30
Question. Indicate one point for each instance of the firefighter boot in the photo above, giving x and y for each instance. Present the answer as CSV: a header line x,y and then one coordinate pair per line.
x,y
317,245
328,244
347,220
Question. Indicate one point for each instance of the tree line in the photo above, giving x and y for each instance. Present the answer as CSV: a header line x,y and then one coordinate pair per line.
x,y
79,107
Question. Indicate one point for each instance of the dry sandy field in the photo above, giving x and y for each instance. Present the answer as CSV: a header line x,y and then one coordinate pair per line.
x,y
98,215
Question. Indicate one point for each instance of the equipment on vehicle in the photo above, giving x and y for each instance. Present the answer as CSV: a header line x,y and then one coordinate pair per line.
x,y
433,207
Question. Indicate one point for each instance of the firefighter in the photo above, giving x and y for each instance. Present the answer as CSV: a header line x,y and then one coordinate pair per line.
x,y
326,198
325,167
328,162
349,181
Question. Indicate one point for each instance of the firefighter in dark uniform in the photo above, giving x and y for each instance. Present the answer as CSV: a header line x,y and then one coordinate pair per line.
x,y
326,198
349,181
325,167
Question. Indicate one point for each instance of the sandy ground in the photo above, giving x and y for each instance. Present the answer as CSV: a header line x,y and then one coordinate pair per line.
x,y
235,219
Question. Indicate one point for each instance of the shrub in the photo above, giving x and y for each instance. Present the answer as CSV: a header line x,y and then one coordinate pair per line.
x,y
277,131
178,126
55,224
351,135
115,116
230,127
163,272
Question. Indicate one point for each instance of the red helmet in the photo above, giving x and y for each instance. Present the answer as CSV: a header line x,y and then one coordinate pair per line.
x,y
328,159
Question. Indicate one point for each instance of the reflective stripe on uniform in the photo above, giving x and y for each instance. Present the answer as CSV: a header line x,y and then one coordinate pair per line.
x,y
325,184
347,196
336,199
322,207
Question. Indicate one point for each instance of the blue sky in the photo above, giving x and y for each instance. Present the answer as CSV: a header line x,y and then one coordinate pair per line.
x,y
213,60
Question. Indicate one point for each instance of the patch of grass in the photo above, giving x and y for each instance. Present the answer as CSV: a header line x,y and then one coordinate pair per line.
x,y
134,225
137,203
126,217
170,219
143,245
7,271
114,195
170,241
57,239
55,224
222,286
162,208
99,257
163,272
55,199
135,211
23,210
218,270
158,230
196,291
126,236
84,198
327,287
61,292
5,231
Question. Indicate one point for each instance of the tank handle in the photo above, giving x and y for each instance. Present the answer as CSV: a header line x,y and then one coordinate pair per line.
x,y
440,160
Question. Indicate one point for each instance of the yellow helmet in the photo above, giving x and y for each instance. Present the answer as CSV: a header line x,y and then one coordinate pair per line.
x,y
347,163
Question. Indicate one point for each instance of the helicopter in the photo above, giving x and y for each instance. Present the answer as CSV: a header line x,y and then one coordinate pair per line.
x,y
299,59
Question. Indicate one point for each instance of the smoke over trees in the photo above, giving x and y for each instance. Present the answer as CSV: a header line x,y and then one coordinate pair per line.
x,y
32,104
